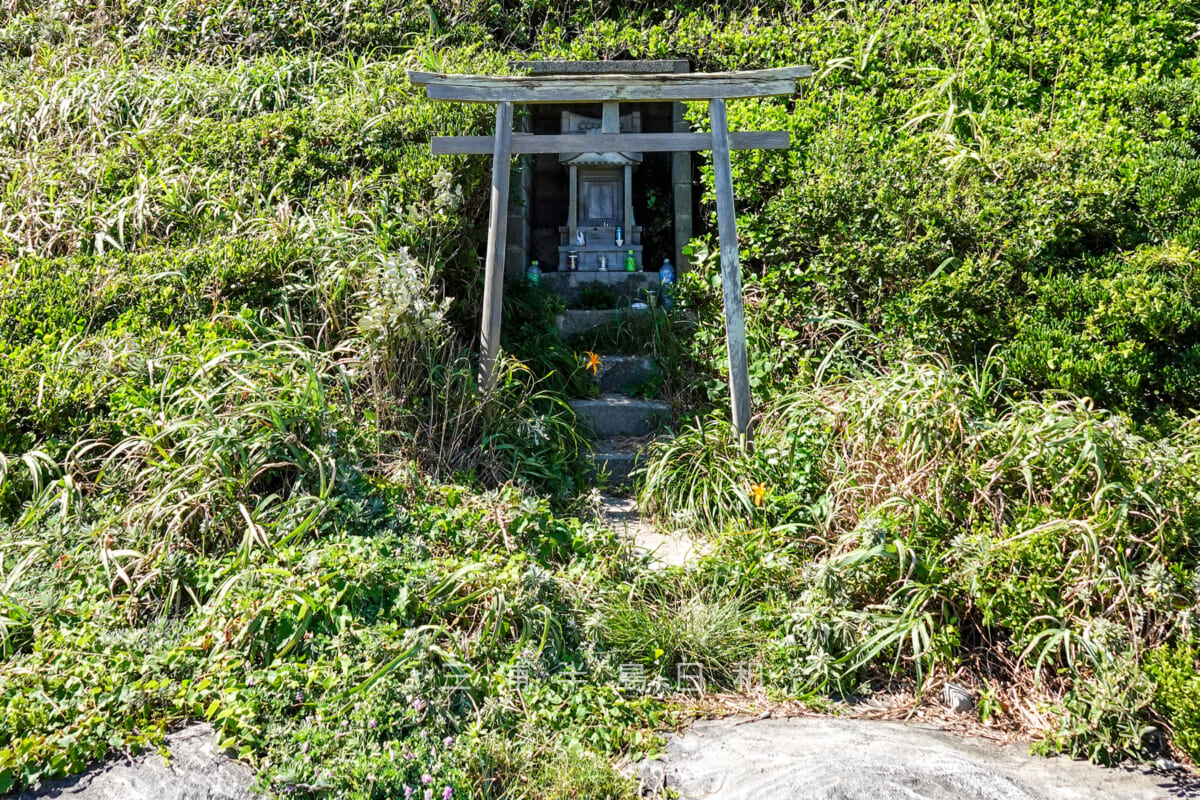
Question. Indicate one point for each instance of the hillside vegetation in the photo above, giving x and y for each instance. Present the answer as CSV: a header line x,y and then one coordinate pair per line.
x,y
245,474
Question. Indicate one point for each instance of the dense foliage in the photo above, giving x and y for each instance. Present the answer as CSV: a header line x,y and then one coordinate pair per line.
x,y
245,474
921,520
963,176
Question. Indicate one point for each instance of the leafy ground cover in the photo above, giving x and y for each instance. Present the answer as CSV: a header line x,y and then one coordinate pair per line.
x,y
922,521
246,475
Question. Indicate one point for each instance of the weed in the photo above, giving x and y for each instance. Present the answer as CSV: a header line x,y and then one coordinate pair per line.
x,y
665,624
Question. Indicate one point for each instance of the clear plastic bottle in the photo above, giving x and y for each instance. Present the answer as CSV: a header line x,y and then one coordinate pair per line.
x,y
666,277
534,273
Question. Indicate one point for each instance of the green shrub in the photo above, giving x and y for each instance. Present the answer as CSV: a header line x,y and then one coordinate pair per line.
x,y
1177,694
704,478
943,518
550,771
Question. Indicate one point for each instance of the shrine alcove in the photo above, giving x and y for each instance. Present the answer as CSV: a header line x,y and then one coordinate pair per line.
x,y
660,190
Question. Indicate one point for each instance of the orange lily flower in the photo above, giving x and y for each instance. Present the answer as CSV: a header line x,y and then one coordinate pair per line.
x,y
759,490
593,362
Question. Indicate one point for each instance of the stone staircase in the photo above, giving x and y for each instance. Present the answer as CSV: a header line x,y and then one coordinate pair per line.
x,y
619,423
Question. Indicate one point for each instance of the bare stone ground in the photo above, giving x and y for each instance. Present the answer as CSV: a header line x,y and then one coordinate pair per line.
x,y
665,549
828,758
197,771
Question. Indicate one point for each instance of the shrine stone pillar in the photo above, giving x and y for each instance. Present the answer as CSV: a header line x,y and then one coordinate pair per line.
x,y
681,182
516,253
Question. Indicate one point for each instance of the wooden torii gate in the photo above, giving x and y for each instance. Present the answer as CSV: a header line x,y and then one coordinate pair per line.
x,y
610,90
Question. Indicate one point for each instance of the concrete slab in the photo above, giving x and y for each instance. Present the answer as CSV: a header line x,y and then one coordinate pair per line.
x,y
618,415
619,285
621,374
578,322
615,466
827,758
616,457
665,550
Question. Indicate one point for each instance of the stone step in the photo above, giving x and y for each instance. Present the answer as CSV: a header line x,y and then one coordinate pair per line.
x,y
616,457
623,374
618,415
578,322
614,466
575,287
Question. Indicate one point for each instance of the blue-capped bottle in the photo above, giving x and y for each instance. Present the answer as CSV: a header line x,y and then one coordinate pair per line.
x,y
666,279
534,273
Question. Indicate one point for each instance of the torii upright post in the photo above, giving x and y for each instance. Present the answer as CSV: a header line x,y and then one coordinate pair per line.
x,y
493,276
731,272
610,90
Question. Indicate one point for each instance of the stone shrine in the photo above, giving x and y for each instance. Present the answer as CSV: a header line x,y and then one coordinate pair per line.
x,y
557,197
600,230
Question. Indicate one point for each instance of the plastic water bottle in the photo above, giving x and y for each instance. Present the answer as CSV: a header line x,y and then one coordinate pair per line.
x,y
534,273
666,277
630,262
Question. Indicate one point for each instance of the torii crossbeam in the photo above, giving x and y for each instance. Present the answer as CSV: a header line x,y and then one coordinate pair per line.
x,y
610,90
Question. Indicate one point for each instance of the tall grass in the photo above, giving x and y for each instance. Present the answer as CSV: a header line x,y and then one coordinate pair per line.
x,y
678,621
233,448
118,156
1040,540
